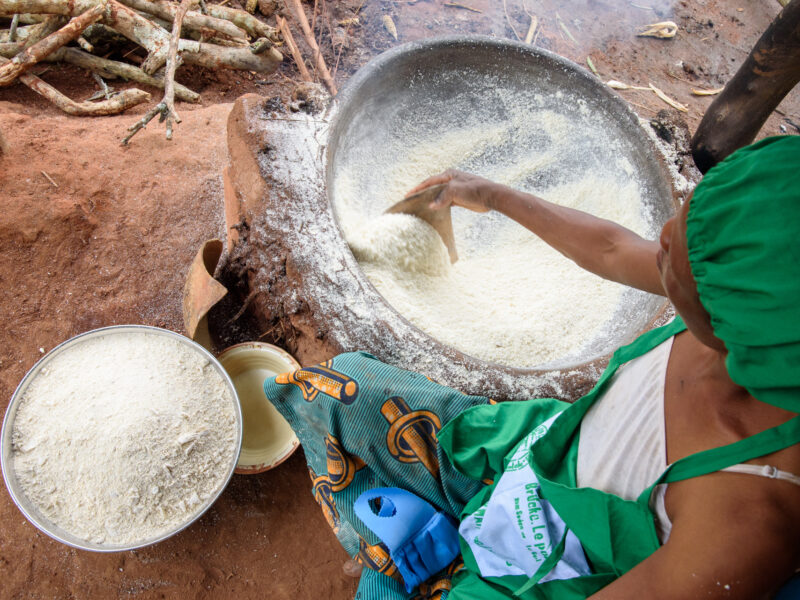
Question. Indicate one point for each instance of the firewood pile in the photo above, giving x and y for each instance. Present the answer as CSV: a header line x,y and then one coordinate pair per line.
x,y
169,33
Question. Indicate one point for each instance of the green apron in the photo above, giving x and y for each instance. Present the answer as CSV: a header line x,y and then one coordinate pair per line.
x,y
615,534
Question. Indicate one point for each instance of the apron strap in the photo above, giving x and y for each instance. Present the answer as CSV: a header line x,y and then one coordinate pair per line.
x,y
709,461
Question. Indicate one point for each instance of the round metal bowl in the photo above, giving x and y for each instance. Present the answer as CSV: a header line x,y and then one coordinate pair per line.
x,y
418,91
30,510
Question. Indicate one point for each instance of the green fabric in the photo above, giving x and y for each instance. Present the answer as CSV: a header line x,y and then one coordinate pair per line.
x,y
742,231
616,534
478,443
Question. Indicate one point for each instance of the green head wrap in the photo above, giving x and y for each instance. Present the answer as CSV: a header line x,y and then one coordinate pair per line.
x,y
743,233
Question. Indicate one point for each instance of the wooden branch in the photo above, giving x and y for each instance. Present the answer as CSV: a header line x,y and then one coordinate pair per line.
x,y
117,104
34,33
11,49
214,57
111,69
50,24
159,108
193,20
38,51
241,19
84,43
27,19
769,73
283,27
12,32
173,62
300,15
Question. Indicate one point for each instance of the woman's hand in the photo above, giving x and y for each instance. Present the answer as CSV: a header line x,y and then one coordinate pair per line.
x,y
461,189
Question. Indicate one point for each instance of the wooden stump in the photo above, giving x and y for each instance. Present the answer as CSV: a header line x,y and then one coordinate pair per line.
x,y
769,73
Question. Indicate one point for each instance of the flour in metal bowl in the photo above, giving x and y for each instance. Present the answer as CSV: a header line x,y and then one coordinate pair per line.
x,y
510,299
124,437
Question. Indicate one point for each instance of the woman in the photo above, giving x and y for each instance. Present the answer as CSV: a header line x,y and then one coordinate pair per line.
x,y
676,477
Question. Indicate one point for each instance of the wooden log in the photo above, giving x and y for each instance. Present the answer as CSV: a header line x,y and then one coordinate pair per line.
x,y
117,104
769,73
112,68
245,21
152,37
41,49
193,20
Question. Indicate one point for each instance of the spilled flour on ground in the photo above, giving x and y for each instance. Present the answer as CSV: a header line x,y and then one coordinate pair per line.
x,y
510,299
123,437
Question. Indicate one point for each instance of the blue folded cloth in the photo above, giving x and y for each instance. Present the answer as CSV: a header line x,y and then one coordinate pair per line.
x,y
421,541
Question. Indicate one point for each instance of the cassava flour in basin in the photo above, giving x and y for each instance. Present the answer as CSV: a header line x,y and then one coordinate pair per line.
x,y
123,437
510,299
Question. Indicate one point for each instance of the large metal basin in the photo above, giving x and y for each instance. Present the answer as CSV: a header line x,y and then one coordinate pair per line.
x,y
304,275
446,84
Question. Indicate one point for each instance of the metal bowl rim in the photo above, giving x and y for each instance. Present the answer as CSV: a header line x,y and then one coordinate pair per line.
x,y
6,463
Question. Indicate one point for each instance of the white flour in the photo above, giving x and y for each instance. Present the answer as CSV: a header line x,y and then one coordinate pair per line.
x,y
124,437
510,299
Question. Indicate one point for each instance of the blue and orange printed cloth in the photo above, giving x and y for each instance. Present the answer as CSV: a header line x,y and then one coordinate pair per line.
x,y
364,425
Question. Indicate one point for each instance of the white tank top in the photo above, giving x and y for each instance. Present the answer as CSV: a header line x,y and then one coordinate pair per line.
x,y
622,447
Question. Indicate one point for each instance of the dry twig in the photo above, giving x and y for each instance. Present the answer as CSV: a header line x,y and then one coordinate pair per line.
x,y
531,29
318,60
159,108
173,62
50,179
698,92
12,32
464,6
618,85
347,23
673,103
508,18
84,43
104,89
283,26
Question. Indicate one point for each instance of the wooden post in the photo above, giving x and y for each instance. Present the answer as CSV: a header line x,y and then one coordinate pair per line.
x,y
769,73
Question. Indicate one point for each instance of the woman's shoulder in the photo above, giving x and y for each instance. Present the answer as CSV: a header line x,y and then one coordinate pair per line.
x,y
752,522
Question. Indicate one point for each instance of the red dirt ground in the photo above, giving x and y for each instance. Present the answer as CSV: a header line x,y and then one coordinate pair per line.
x,y
110,242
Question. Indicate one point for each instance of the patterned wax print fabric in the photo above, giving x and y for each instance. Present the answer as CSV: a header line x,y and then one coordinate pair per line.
x,y
365,425
743,234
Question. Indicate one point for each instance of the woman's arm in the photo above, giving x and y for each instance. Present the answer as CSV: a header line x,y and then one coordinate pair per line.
x,y
597,245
